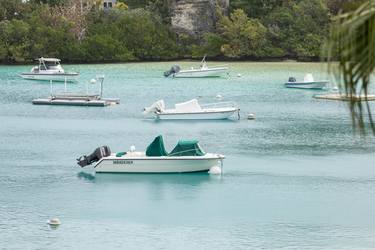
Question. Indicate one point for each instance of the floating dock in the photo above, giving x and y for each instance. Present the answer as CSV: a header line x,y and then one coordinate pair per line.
x,y
77,100
341,97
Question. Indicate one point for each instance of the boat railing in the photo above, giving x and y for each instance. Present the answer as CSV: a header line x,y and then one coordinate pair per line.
x,y
219,105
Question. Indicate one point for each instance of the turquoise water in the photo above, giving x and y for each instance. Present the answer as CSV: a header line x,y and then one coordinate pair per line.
x,y
294,178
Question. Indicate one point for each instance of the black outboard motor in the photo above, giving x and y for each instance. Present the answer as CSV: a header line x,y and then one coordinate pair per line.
x,y
292,79
99,153
175,69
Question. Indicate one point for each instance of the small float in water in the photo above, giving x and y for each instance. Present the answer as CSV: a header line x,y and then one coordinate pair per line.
x,y
202,71
77,99
307,83
192,110
49,69
187,156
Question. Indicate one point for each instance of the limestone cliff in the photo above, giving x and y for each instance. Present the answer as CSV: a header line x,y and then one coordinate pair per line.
x,y
195,16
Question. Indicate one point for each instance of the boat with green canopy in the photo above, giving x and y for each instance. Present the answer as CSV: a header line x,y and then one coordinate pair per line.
x,y
187,156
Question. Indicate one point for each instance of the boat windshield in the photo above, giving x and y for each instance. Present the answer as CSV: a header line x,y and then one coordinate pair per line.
x,y
51,65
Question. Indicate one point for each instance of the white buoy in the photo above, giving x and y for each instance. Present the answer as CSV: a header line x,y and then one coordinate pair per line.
x,y
219,97
239,75
93,81
132,148
54,222
335,88
215,170
251,116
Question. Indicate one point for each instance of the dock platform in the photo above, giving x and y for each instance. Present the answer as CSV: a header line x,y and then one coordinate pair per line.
x,y
340,97
76,100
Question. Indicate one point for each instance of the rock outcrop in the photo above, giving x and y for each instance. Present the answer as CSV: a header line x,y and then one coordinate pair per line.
x,y
195,16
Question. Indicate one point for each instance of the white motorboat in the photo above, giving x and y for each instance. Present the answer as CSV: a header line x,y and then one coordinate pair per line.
x,y
307,83
192,110
186,157
202,71
49,69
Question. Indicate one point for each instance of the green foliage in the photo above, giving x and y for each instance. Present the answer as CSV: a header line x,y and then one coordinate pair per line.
x,y
253,29
139,31
211,47
243,36
298,29
15,40
255,8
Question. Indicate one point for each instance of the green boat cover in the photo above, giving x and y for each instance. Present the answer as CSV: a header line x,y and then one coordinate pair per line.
x,y
187,148
156,148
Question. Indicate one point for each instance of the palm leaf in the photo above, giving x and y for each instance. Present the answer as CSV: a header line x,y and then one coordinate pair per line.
x,y
352,43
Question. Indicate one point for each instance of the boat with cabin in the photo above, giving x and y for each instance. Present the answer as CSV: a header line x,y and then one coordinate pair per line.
x,y
186,157
192,110
202,71
49,69
307,83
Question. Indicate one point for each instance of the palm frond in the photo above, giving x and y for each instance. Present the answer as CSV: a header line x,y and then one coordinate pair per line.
x,y
352,43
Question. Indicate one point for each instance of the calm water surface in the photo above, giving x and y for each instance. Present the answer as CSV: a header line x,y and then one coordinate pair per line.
x,y
295,178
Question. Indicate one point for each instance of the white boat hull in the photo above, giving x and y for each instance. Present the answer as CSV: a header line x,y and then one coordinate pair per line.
x,y
70,77
213,72
216,115
306,85
162,164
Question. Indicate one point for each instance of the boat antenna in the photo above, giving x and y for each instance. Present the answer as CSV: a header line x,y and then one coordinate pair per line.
x,y
101,78
204,59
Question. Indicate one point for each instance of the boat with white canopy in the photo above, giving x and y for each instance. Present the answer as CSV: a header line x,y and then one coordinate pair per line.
x,y
307,83
202,71
192,110
49,69
187,156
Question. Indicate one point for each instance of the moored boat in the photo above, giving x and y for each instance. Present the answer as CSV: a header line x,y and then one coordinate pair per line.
x,y
192,110
187,156
49,69
202,71
307,83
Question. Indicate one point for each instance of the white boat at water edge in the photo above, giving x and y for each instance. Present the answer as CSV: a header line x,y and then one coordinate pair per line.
x,y
202,71
49,69
307,83
187,156
192,110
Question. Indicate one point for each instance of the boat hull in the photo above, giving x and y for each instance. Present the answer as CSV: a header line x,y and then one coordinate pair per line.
x,y
69,77
163,164
306,85
214,72
217,115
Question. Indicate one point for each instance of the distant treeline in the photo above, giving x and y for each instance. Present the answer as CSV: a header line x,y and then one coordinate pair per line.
x,y
140,30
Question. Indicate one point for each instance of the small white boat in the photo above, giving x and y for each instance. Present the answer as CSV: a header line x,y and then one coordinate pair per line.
x,y
308,83
202,71
192,110
49,69
186,157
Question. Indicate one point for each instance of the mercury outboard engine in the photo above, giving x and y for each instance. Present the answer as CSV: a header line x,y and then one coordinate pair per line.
x,y
292,79
175,69
99,153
